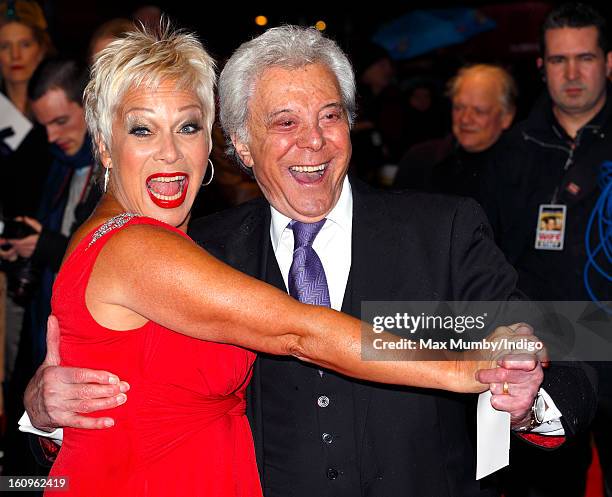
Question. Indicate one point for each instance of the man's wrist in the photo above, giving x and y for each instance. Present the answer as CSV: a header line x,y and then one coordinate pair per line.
x,y
527,424
534,417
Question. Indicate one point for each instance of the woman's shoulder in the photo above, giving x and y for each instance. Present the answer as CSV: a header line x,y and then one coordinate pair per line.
x,y
100,229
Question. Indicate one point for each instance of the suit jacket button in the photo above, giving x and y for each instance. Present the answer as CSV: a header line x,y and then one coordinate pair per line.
x,y
327,438
332,473
323,401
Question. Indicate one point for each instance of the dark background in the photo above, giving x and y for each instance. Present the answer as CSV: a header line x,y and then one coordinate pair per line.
x,y
222,26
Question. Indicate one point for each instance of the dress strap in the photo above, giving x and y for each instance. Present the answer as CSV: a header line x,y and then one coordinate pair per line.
x,y
113,223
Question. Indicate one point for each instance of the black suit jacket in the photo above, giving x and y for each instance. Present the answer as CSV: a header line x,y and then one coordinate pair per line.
x,y
405,246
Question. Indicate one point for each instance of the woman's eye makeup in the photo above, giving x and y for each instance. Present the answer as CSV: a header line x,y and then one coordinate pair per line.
x,y
191,127
139,130
139,127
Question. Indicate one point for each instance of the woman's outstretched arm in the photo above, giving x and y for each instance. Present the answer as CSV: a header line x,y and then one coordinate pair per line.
x,y
166,278
157,275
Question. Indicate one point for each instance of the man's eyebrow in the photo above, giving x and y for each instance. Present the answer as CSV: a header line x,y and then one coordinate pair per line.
x,y
272,115
330,105
333,105
55,120
566,55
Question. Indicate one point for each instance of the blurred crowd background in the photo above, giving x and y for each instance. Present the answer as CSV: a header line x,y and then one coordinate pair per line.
x,y
403,89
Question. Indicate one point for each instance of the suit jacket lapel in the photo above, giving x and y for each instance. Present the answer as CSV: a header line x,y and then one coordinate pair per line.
x,y
374,249
373,257
247,249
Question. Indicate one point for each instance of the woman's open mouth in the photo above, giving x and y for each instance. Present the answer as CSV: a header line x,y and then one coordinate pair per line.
x,y
167,190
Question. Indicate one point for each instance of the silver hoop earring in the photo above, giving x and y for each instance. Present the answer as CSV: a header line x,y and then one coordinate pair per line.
x,y
106,178
212,173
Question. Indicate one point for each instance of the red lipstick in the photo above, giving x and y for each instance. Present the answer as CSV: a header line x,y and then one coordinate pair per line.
x,y
167,190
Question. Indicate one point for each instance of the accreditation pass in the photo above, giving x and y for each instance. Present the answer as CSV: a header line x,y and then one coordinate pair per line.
x,y
550,230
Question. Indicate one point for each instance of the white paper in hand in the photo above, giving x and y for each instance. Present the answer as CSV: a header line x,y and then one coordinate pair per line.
x,y
12,118
492,437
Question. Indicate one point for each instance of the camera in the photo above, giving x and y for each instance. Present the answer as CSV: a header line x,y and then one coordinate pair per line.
x,y
15,229
22,275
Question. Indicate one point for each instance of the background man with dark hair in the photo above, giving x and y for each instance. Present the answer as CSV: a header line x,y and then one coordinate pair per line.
x,y
551,163
55,93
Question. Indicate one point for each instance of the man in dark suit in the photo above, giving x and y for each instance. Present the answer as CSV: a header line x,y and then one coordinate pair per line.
x,y
287,100
318,433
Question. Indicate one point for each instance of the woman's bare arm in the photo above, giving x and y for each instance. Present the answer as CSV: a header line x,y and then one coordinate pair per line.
x,y
158,275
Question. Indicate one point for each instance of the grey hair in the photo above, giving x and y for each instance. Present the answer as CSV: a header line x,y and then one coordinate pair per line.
x,y
284,46
146,58
509,91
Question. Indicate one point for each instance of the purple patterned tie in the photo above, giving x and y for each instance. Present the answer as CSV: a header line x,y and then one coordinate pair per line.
x,y
307,281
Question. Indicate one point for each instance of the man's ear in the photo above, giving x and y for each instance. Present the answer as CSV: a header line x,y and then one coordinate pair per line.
x,y
540,64
243,151
609,64
507,118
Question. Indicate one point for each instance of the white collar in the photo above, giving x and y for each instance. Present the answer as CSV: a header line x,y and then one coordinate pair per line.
x,y
341,215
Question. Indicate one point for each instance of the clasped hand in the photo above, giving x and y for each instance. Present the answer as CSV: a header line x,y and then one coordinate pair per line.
x,y
516,380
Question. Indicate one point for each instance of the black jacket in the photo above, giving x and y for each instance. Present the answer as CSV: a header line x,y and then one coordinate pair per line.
x,y
443,166
409,442
537,163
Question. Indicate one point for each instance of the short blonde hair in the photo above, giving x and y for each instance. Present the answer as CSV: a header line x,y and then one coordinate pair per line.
x,y
146,58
